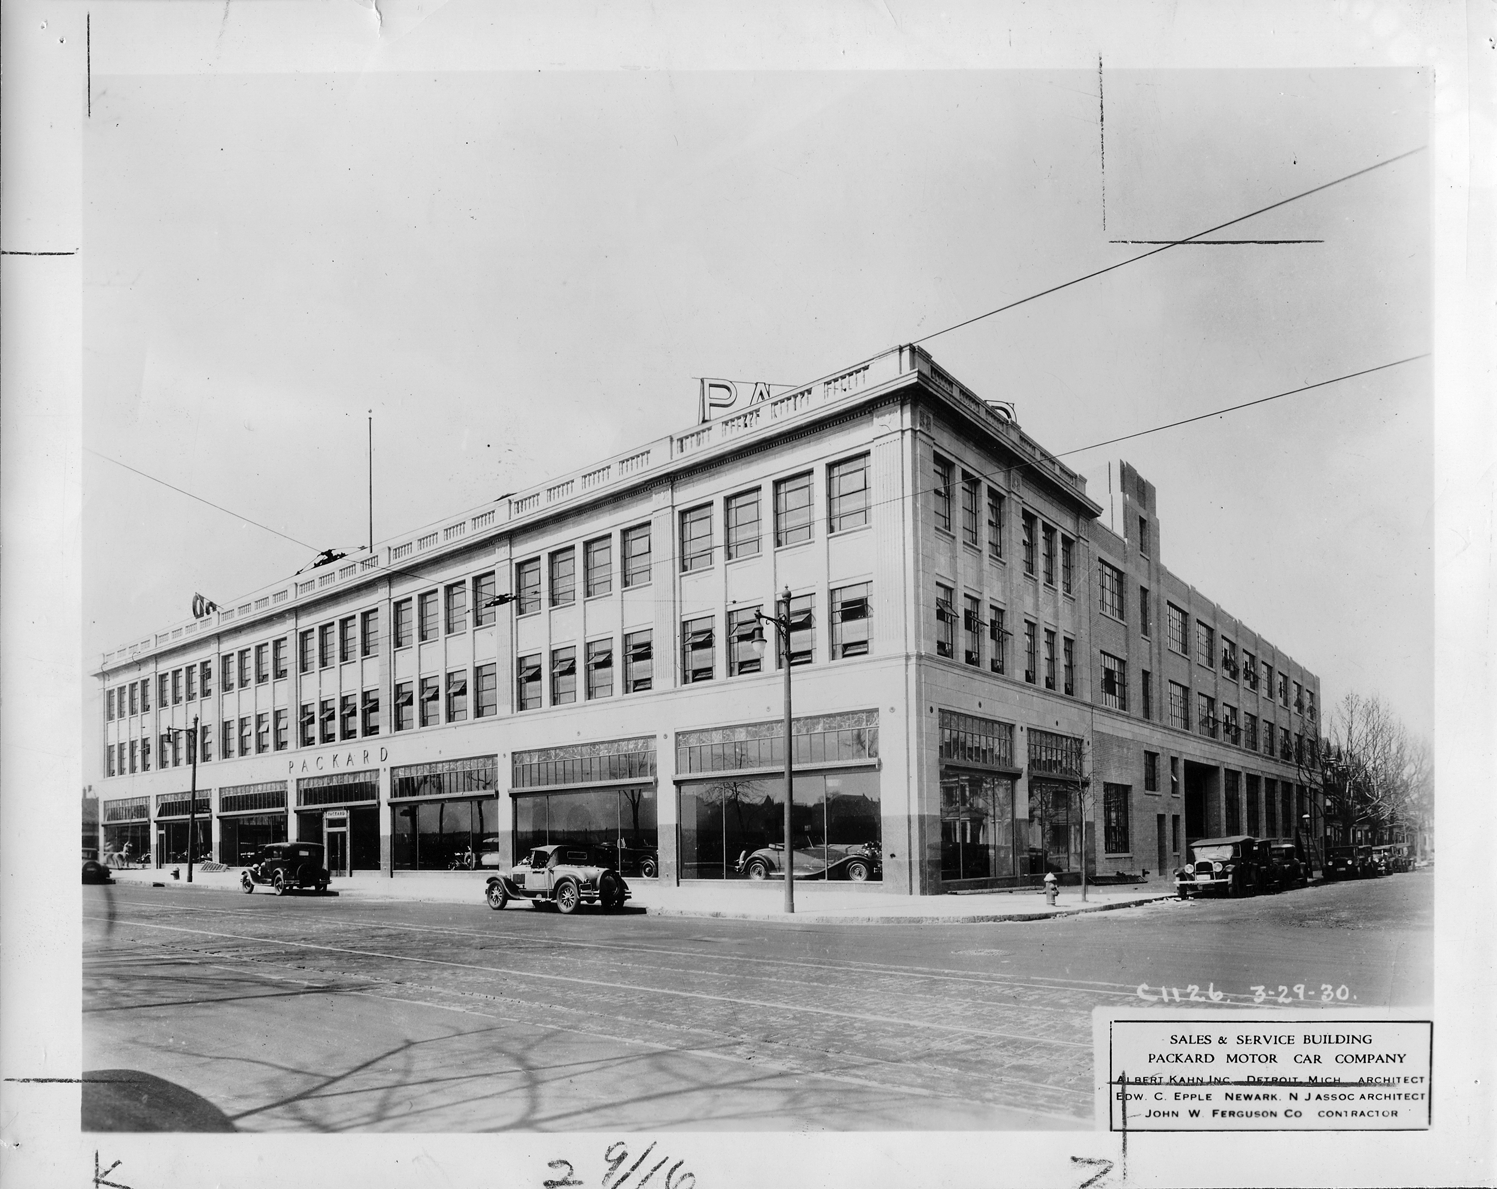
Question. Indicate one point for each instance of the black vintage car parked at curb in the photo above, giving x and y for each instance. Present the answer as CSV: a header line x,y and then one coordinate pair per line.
x,y
1350,862
1231,866
1283,866
560,877
287,867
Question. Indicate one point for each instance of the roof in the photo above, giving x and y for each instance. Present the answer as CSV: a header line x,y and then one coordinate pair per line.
x,y
1223,841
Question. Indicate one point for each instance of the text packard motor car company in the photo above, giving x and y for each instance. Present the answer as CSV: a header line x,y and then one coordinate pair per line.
x,y
1257,1057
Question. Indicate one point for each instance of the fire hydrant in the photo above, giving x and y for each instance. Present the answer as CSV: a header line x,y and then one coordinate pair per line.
x,y
1050,887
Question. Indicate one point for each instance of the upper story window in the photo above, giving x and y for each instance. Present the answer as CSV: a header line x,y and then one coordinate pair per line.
x,y
1299,698
1068,670
847,494
1267,680
942,493
1249,670
597,565
945,621
244,668
792,510
1179,707
205,679
163,683
639,661
109,705
802,630
528,585
427,626
563,675
1026,525
1205,644
971,494
278,658
698,650
696,538
1067,564
1284,689
635,547
995,523
1047,553
997,639
176,686
563,576
971,631
455,607
528,682
485,610
348,638
1049,659
1144,615
262,663
851,611
741,524
1175,626
1111,588
741,655
600,669
191,673
1030,653
325,645
1143,535
1151,771
145,688
404,623
1206,714
1229,658
369,632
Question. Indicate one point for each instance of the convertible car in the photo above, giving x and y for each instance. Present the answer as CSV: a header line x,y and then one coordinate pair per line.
x,y
857,861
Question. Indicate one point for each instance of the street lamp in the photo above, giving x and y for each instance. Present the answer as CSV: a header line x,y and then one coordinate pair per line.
x,y
781,624
192,797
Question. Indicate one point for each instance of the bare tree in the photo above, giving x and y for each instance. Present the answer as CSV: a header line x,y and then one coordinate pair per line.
x,y
1366,766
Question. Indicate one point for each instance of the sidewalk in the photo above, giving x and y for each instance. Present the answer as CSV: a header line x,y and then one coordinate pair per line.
x,y
814,901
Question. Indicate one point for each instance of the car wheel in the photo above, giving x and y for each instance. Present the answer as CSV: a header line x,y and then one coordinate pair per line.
x,y
611,892
496,895
758,869
568,897
648,868
280,883
857,871
246,883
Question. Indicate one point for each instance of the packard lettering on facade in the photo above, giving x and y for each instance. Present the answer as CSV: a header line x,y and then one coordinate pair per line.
x,y
980,664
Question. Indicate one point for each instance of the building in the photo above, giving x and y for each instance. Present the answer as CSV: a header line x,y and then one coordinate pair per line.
x,y
981,667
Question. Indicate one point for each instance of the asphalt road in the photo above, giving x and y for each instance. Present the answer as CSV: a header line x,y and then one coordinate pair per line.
x,y
327,1015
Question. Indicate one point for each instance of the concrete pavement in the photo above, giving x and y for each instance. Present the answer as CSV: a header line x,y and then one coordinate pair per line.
x,y
814,901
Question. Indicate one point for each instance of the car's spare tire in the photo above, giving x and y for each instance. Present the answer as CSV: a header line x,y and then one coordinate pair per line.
x,y
611,891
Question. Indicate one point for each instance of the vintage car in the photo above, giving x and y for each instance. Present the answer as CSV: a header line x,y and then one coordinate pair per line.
x,y
1282,865
1390,858
1231,866
488,851
1350,862
857,861
95,872
287,867
559,876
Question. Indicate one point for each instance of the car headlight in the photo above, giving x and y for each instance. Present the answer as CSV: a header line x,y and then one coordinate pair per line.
x,y
1189,869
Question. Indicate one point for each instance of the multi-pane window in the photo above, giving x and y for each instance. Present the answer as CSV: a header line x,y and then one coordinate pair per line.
x,y
563,576
1250,732
109,754
971,631
486,690
971,494
262,734
145,755
600,669
1146,693
404,623
1030,652
457,696
109,702
176,687
1143,536
847,494
1110,582
1179,707
639,661
1047,554
741,524
741,655
696,538
348,638
851,613
1114,682
429,701
485,610
145,688
348,716
1249,670
1229,658
563,675
427,625
1145,616
1299,698
1175,627
455,607
802,629
1026,543
205,741
1067,564
942,493
698,651
1068,668
995,523
634,544
1206,715
1284,690
164,682
1151,771
205,680
1310,700
192,680
528,585
1205,644
244,668
282,725
1268,737
369,632
277,658
1115,798
597,567
370,712
405,706
326,644
306,725
246,737
792,510
945,621
262,666
1286,749
1049,659
997,639
1231,729
1267,680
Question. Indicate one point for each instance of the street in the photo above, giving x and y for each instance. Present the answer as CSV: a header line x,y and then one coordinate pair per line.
x,y
328,1015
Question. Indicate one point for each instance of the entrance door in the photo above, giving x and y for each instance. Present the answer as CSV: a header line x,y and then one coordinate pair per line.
x,y
337,849
1164,854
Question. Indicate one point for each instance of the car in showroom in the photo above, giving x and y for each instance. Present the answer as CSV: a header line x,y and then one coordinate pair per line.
x,y
287,867
1283,866
1231,866
1350,862
560,877
857,861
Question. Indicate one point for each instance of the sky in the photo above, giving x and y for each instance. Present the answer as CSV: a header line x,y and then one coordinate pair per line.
x,y
520,272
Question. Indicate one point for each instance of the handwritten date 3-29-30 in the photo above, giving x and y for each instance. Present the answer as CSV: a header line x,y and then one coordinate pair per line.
x,y
1261,993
